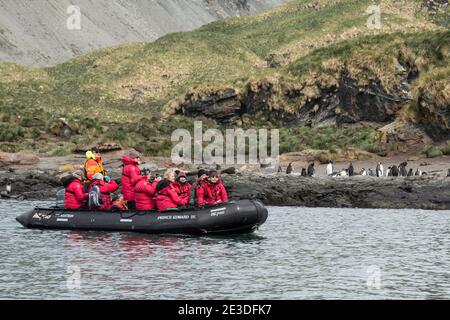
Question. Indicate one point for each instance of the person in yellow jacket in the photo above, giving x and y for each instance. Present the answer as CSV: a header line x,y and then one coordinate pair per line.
x,y
93,164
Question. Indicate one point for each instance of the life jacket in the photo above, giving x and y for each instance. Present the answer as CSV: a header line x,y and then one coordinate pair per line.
x,y
93,166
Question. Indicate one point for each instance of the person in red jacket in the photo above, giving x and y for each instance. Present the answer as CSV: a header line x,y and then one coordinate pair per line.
x,y
182,186
75,197
145,192
130,175
166,195
212,191
202,176
106,186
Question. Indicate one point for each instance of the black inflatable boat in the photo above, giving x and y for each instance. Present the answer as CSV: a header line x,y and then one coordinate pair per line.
x,y
234,217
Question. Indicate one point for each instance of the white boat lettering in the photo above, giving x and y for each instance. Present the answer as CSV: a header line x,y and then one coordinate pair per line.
x,y
126,220
66,215
177,217
181,217
217,212
62,220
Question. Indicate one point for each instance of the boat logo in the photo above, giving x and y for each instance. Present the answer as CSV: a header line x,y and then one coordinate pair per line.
x,y
40,217
218,212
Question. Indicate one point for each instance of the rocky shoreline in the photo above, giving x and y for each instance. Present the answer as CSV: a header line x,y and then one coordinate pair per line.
x,y
425,192
431,193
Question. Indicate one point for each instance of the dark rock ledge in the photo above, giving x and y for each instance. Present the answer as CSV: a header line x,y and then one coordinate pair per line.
x,y
282,190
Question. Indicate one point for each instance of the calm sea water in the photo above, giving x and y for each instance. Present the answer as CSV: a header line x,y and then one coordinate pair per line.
x,y
300,253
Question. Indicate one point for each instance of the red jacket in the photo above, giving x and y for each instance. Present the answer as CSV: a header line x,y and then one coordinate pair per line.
x,y
106,189
167,196
194,195
210,194
144,194
75,196
183,191
130,175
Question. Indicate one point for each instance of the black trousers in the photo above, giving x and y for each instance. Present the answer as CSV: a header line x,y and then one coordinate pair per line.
x,y
131,205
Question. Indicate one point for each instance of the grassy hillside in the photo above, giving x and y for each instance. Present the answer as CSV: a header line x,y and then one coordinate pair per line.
x,y
102,95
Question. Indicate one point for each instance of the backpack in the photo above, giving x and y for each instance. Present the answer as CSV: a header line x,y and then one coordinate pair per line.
x,y
95,198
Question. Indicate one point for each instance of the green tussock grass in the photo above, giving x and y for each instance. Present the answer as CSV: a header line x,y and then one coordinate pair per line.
x,y
327,138
432,151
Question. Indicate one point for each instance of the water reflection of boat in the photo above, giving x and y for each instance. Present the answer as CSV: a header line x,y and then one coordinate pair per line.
x,y
235,217
132,246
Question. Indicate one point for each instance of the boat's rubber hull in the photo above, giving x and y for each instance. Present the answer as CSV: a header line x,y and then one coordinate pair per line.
x,y
232,218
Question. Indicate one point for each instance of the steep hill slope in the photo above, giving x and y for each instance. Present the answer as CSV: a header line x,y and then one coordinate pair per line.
x,y
34,32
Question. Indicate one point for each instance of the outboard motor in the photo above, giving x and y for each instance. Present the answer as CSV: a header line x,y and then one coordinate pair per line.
x,y
60,197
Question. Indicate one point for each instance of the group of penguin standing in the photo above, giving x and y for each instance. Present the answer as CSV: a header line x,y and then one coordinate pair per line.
x,y
305,172
392,171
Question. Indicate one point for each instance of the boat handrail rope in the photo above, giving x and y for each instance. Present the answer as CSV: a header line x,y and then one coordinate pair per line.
x,y
133,214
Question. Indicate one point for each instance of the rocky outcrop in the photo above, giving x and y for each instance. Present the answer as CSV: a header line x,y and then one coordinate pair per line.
x,y
361,192
222,105
63,128
335,101
343,101
370,103
435,115
357,192
9,159
29,185
258,97
398,136
433,5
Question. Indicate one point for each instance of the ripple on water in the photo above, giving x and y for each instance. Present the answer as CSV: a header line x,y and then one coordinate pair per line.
x,y
299,253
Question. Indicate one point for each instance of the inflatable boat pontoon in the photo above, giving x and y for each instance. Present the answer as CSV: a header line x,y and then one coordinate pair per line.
x,y
234,217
